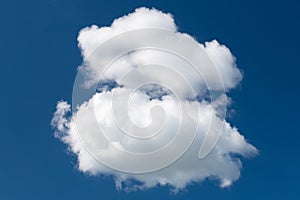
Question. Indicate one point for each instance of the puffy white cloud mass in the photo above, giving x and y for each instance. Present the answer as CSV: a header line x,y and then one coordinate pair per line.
x,y
143,119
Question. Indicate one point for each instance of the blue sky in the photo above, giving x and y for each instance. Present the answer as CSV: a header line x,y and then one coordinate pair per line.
x,y
39,57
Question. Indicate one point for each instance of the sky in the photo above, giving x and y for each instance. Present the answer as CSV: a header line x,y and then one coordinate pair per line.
x,y
40,56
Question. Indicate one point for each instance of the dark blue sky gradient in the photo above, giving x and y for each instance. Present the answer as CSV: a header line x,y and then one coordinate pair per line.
x,y
39,57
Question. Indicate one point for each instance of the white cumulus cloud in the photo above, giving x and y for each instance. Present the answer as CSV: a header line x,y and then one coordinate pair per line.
x,y
152,113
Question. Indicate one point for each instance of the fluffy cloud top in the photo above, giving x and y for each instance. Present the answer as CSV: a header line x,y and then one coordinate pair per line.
x,y
151,115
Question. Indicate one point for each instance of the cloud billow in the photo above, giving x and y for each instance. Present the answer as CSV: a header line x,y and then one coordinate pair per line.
x,y
146,116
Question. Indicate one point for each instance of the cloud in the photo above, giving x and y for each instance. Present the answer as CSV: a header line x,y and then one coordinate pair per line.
x,y
141,108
